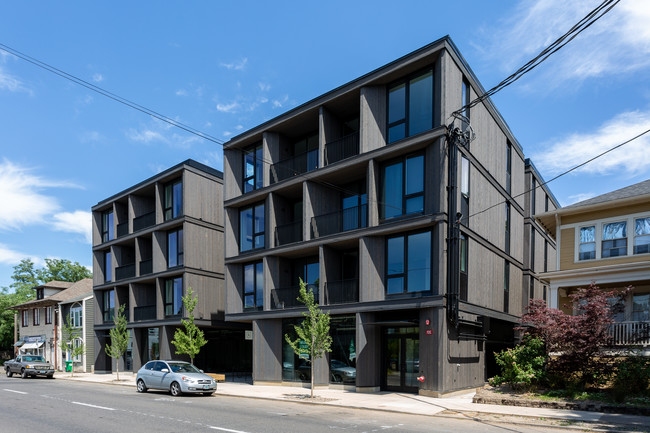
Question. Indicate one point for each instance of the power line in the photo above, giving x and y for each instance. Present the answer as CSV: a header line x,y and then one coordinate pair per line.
x,y
563,173
110,95
578,28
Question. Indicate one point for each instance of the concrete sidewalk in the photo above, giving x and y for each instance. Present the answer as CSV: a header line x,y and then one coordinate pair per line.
x,y
460,405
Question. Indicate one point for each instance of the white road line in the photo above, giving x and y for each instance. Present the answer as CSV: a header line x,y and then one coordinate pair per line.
x,y
92,405
225,429
13,390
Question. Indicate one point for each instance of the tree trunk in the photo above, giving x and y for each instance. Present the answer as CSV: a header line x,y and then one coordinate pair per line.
x,y
117,368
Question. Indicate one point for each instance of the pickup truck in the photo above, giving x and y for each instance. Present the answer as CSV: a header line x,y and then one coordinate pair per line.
x,y
29,365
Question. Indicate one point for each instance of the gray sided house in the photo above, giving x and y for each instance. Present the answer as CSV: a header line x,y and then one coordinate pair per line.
x,y
79,312
420,245
151,242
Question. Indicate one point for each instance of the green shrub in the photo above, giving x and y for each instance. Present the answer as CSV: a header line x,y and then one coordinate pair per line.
x,y
632,377
522,367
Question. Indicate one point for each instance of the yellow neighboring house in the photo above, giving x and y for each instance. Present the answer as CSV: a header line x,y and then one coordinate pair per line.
x,y
606,240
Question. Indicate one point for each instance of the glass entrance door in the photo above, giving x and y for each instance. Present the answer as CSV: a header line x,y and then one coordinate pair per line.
x,y
401,359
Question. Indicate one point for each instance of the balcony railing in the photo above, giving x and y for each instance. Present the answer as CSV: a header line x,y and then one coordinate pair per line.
x,y
630,333
342,292
126,271
146,267
122,229
344,147
294,166
288,233
147,312
144,221
340,221
287,297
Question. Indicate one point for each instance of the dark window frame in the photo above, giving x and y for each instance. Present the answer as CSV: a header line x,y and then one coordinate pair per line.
x,y
465,188
508,167
463,267
257,171
36,316
180,248
25,318
254,293
48,315
405,197
506,287
169,202
170,283
108,233
108,305
254,235
406,120
508,224
40,293
108,266
405,270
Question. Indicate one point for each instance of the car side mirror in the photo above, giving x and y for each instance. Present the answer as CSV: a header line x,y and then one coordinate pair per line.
x,y
165,370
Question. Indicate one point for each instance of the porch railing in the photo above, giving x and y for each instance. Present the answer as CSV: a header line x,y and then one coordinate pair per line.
x,y
144,221
146,267
294,166
342,292
148,312
288,233
126,271
344,147
630,333
122,229
287,297
340,221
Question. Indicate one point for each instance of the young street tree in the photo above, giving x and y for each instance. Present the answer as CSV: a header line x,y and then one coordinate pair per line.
x,y
119,339
69,334
313,333
190,340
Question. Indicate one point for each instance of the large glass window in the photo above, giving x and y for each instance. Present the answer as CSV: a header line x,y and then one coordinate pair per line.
x,y
173,297
251,228
343,358
614,239
37,316
641,308
410,106
587,247
508,167
108,274
294,368
464,188
76,316
403,187
175,255
254,285
506,287
107,226
48,315
253,168
463,268
408,268
507,228
108,305
642,235
173,200
25,318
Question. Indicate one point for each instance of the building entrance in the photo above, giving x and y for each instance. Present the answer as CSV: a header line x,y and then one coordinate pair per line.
x,y
401,349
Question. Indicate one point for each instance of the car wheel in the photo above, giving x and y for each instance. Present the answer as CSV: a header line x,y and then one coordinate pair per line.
x,y
9,373
175,389
23,374
141,386
50,376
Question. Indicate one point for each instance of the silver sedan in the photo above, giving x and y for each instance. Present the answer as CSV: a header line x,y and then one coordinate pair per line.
x,y
176,376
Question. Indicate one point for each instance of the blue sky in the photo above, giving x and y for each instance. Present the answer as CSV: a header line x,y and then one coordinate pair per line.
x,y
224,67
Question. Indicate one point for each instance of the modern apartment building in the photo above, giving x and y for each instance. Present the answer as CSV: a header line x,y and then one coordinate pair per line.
x,y
151,242
423,263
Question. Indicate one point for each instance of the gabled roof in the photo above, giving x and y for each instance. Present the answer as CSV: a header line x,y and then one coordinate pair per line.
x,y
55,285
632,194
74,290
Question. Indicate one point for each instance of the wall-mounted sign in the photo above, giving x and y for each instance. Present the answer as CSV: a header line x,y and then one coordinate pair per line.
x,y
248,335
429,331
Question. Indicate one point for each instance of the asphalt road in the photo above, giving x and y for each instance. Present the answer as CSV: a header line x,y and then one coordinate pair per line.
x,y
42,405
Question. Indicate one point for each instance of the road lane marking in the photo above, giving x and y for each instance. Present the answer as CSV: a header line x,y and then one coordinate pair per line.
x,y
13,390
225,429
92,405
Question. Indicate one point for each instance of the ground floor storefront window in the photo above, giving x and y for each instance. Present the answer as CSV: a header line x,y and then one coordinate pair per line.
x,y
343,358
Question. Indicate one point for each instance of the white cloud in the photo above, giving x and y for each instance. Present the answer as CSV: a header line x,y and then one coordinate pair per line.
x,y
215,159
239,127
264,87
11,83
279,103
22,201
98,78
579,197
78,221
90,137
236,66
181,92
9,256
228,108
630,160
145,136
227,133
616,44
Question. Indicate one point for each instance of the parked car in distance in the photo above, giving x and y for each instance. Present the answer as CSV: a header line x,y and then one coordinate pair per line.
x,y
341,372
177,377
29,365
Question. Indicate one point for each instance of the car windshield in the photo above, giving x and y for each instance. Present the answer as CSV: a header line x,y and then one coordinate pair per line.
x,y
33,359
183,368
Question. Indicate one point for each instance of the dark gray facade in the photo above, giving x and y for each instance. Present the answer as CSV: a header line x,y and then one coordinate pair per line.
x,y
151,243
351,193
